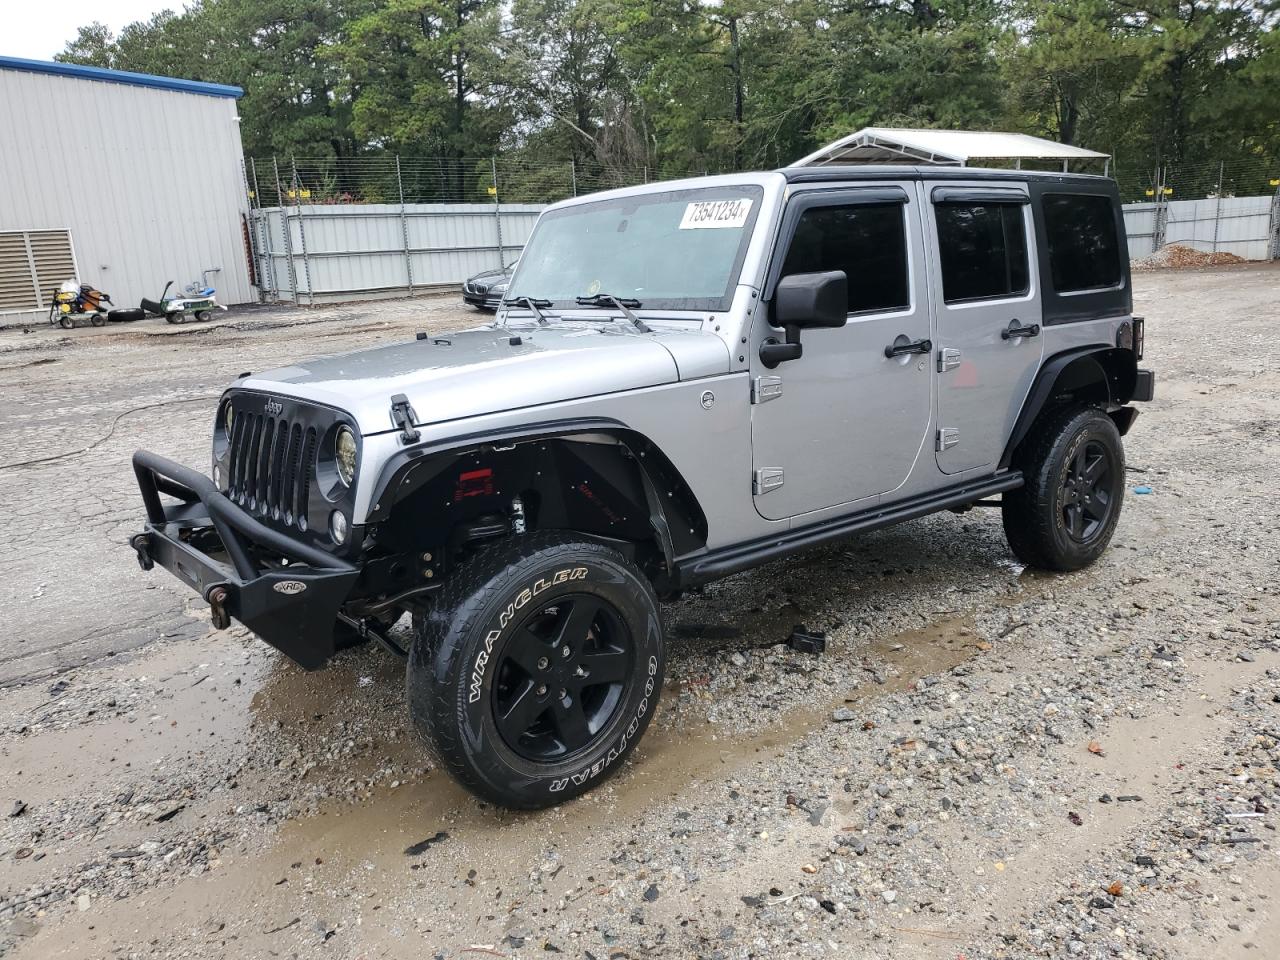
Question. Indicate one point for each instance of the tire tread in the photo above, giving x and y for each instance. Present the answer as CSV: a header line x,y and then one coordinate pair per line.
x,y
460,603
1028,513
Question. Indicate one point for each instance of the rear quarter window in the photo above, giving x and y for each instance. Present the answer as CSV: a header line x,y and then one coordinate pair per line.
x,y
983,250
1084,250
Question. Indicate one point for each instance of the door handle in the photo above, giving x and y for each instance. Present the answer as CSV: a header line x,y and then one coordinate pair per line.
x,y
903,345
1013,330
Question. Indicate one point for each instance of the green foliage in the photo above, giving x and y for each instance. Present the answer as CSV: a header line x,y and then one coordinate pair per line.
x,y
612,90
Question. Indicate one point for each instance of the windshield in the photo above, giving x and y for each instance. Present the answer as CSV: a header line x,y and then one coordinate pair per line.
x,y
679,250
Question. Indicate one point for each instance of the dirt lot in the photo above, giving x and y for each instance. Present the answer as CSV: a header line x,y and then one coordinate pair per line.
x,y
986,762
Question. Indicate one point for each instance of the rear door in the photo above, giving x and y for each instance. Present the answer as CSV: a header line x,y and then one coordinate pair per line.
x,y
844,422
989,320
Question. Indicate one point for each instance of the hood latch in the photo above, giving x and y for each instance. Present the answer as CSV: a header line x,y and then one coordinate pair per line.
x,y
402,416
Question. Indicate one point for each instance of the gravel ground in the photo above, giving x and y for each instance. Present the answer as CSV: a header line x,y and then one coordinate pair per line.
x,y
986,762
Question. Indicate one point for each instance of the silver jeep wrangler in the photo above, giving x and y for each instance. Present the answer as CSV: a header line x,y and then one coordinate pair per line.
x,y
685,380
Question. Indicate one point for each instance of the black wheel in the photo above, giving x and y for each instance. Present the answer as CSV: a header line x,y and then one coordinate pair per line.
x,y
203,315
98,320
173,317
1065,514
66,322
538,669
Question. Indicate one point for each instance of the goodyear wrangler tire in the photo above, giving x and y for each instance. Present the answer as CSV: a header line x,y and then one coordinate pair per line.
x,y
538,670
1063,517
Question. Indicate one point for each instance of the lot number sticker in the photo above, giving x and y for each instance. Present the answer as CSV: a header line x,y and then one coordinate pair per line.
x,y
716,214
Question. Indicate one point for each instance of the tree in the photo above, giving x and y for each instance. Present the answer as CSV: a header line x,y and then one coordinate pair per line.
x,y
629,88
562,72
414,72
94,46
281,52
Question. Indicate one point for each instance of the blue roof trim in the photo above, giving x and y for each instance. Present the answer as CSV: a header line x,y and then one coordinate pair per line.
x,y
120,76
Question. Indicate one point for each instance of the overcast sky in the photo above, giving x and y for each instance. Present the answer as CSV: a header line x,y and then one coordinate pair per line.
x,y
39,30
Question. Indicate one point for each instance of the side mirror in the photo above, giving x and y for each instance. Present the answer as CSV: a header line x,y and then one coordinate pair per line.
x,y
805,300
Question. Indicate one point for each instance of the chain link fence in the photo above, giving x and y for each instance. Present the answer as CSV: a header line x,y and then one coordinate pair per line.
x,y
330,228
274,181
1227,208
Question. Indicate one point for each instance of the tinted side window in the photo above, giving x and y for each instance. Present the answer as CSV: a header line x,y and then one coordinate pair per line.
x,y
867,241
1084,251
983,250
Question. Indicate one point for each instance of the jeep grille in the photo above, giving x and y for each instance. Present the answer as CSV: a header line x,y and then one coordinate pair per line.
x,y
271,465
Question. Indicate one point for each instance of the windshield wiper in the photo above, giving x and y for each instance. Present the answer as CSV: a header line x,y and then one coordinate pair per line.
x,y
533,303
625,305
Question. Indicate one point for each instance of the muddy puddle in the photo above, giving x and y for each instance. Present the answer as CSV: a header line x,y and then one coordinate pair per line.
x,y
349,859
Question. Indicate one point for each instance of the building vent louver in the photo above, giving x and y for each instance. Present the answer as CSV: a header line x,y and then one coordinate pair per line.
x,y
33,264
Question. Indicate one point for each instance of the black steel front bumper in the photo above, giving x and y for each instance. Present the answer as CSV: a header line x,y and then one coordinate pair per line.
x,y
288,593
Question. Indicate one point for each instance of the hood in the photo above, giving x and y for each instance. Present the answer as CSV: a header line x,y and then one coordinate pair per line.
x,y
491,276
467,374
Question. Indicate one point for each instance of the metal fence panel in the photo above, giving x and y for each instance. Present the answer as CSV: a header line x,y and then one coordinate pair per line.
x,y
317,252
1140,226
1190,223
1236,225
1243,226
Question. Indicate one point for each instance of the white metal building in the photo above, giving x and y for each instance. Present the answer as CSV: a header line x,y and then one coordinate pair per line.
x,y
121,180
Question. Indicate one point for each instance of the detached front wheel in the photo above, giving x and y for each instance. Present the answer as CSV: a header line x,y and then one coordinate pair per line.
x,y
538,670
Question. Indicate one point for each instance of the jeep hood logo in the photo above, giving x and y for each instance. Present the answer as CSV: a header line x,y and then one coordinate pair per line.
x,y
274,408
289,587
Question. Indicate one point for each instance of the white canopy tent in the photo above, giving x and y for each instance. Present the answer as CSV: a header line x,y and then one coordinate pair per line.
x,y
952,148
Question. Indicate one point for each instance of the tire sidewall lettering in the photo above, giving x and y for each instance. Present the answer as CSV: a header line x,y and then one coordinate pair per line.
x,y
619,748
475,687
1085,434
1058,497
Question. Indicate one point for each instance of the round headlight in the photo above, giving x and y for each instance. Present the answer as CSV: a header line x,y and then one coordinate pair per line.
x,y
228,415
345,455
338,526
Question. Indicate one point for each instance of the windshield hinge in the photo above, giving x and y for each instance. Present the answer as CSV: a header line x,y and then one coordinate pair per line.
x,y
402,416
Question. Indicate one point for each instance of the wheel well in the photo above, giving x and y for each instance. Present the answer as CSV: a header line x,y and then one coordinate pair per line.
x,y
1098,376
612,486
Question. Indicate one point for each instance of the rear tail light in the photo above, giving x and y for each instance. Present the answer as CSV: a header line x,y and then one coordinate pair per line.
x,y
1130,335
1139,336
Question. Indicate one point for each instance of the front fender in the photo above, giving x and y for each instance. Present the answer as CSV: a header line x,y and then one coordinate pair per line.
x,y
677,521
411,467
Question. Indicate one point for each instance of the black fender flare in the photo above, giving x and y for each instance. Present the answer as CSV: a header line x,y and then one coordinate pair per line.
x,y
418,463
1117,370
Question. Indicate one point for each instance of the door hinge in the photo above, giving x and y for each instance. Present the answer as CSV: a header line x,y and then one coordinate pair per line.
x,y
402,416
948,359
764,389
766,479
948,437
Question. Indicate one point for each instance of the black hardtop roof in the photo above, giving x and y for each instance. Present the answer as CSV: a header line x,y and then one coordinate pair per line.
x,y
837,173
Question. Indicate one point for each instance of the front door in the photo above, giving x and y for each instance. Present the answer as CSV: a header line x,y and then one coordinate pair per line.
x,y
845,422
989,341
